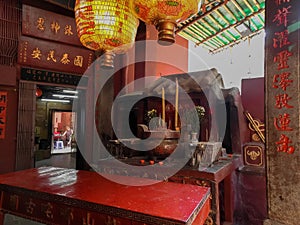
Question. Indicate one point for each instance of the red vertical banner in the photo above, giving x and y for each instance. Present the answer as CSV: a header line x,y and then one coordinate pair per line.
x,y
282,75
3,109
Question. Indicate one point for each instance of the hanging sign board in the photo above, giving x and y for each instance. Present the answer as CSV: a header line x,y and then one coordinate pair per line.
x,y
48,25
44,76
54,56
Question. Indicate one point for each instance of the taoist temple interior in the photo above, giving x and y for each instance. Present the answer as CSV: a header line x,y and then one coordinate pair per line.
x,y
136,112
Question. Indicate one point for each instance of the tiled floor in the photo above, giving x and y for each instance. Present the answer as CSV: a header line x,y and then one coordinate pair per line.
x,y
63,150
59,160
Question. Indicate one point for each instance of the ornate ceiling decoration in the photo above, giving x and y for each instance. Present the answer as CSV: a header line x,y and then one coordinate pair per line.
x,y
224,23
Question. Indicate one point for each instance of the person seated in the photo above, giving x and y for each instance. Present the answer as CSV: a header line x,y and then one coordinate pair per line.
x,y
56,137
56,134
68,136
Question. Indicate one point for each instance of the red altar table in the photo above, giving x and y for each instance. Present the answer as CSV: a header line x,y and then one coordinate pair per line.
x,y
65,196
218,177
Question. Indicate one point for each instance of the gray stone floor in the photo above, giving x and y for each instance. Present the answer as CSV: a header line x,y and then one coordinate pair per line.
x,y
14,220
59,160
56,160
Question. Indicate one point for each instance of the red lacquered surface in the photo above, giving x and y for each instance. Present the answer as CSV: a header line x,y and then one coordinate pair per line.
x,y
168,201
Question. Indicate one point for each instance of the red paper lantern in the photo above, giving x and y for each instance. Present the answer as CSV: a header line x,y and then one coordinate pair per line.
x,y
38,92
106,25
165,14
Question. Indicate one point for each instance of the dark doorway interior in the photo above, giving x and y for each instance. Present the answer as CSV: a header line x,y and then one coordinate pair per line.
x,y
53,115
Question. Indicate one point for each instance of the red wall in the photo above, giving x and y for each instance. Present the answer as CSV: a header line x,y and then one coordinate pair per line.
x,y
8,145
253,97
151,59
8,75
171,59
253,93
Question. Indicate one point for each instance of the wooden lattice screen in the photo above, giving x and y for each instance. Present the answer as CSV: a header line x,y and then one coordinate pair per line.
x,y
10,29
26,124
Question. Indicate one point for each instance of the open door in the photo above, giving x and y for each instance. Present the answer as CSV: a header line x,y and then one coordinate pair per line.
x,y
63,126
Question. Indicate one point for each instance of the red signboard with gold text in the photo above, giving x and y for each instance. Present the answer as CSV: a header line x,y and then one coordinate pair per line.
x,y
3,108
50,55
48,25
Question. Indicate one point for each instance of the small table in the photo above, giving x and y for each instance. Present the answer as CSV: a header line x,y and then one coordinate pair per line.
x,y
220,173
65,196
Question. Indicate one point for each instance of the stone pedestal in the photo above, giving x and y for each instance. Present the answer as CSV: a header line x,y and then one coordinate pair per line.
x,y
251,203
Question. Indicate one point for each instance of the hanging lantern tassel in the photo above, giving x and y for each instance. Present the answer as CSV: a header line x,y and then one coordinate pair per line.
x,y
107,26
164,15
166,32
107,59
249,56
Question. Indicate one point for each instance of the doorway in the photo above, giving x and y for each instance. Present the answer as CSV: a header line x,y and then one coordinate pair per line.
x,y
62,136
53,114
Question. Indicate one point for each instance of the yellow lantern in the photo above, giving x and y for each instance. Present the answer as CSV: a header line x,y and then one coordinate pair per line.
x,y
165,14
106,25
